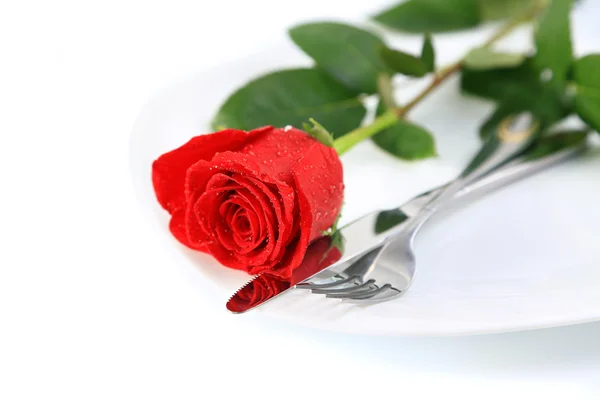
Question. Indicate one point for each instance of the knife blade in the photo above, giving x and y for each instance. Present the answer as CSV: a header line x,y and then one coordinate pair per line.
x,y
366,233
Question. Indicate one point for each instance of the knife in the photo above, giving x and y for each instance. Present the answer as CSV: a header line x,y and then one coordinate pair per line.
x,y
322,261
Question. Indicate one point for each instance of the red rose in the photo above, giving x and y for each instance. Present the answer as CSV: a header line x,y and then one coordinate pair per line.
x,y
254,200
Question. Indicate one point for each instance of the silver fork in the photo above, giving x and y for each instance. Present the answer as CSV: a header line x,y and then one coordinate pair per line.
x,y
394,262
364,271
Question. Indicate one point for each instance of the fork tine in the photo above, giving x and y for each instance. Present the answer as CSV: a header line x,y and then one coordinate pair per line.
x,y
358,267
370,293
340,282
363,287
385,293
363,293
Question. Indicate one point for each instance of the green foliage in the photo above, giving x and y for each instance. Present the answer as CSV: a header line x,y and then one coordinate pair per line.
x,y
350,61
499,9
291,97
553,41
428,53
431,16
318,131
388,219
482,58
558,141
515,89
347,53
402,62
405,140
586,74
423,16
335,236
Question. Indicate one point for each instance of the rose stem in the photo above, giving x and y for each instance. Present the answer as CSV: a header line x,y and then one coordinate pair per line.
x,y
390,117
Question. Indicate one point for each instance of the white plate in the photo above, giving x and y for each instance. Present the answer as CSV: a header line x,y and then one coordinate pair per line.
x,y
525,257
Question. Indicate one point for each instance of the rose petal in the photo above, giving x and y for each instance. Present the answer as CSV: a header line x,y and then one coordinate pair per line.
x,y
278,151
319,176
298,182
226,238
275,154
260,203
255,217
241,230
226,232
282,235
169,170
241,224
200,232
248,173
319,182
169,173
179,230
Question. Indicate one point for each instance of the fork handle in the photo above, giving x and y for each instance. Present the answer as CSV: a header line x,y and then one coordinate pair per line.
x,y
511,172
514,135
516,170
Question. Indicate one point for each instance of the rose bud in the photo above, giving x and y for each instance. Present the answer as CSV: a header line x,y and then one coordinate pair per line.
x,y
253,200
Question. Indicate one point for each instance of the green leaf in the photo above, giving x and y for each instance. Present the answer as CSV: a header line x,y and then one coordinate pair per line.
x,y
347,53
405,140
553,40
319,132
388,219
291,97
500,83
587,104
424,16
485,58
491,10
586,73
337,240
402,62
516,89
558,141
335,235
334,227
428,54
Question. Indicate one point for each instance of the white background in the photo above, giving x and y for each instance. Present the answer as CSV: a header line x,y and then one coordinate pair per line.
x,y
89,306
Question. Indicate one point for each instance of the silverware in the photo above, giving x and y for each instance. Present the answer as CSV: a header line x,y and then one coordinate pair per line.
x,y
362,281
391,267
513,136
372,230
